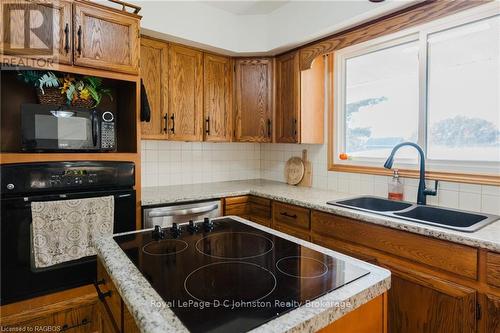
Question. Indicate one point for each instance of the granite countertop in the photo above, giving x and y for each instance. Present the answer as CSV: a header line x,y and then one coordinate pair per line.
x,y
141,299
487,237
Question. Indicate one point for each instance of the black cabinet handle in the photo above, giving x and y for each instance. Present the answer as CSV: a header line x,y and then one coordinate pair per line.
x,y
79,34
100,294
294,216
172,117
165,127
66,38
294,126
269,127
207,121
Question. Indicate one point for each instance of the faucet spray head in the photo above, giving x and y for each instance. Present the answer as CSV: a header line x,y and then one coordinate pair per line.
x,y
388,163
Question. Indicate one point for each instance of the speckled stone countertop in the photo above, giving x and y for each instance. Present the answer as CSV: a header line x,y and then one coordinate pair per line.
x,y
487,237
141,299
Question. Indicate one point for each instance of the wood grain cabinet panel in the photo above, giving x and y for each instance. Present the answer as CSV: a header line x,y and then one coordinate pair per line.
x,y
425,304
493,268
253,100
421,249
185,102
112,303
154,75
291,216
492,314
60,48
300,100
105,39
217,98
287,121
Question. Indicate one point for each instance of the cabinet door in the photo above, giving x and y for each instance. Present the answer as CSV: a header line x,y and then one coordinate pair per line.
x,y
105,39
51,40
425,304
287,98
217,98
185,100
154,75
492,314
253,114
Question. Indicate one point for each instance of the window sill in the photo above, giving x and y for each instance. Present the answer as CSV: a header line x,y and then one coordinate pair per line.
x,y
483,179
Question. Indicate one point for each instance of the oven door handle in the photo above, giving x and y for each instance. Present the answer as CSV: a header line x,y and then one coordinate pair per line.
x,y
94,128
159,212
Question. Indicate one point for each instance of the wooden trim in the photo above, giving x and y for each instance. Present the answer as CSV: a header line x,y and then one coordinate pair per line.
x,y
54,66
9,158
409,17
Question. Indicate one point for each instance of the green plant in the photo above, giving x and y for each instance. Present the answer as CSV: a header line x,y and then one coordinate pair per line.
x,y
94,86
40,79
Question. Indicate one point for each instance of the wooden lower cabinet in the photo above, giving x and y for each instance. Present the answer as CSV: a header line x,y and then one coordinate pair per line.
x,y
368,318
113,309
492,314
424,304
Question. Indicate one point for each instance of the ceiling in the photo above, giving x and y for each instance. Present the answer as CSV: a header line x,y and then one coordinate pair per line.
x,y
259,27
259,7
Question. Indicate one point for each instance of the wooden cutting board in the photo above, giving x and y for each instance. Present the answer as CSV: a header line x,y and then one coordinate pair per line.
x,y
294,170
307,179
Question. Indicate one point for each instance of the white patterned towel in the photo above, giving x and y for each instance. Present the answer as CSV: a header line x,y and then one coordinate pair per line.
x,y
64,230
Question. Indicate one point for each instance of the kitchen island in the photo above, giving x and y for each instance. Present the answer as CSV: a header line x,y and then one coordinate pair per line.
x,y
151,313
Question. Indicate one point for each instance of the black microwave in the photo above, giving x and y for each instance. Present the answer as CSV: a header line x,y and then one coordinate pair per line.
x,y
56,128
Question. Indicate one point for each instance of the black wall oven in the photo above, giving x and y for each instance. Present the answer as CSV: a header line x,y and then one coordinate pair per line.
x,y
55,128
23,184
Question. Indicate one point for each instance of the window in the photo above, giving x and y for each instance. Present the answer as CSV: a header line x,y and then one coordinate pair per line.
x,y
437,85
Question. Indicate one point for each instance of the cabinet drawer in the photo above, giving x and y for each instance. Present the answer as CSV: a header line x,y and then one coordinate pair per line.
x,y
493,268
240,210
291,216
260,201
425,250
236,200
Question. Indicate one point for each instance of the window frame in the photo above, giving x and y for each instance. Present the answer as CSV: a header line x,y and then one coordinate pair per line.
x,y
465,171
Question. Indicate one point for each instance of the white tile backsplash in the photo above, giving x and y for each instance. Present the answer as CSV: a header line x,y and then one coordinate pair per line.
x,y
174,163
473,197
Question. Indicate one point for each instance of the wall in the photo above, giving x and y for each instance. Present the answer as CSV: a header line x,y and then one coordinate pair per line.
x,y
480,198
173,163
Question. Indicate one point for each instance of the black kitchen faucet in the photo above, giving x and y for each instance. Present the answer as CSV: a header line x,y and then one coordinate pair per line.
x,y
423,192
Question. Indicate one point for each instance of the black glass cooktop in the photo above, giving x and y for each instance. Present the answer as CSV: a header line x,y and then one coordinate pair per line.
x,y
231,277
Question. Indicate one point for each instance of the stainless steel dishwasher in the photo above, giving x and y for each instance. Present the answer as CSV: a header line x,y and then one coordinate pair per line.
x,y
164,216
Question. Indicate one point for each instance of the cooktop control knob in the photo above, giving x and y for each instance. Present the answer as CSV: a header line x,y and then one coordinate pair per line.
x,y
208,224
158,233
192,227
175,230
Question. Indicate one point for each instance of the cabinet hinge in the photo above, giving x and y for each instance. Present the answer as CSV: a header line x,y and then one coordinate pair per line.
x,y
478,311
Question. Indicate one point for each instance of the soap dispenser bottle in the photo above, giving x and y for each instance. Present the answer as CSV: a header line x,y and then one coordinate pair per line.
x,y
395,187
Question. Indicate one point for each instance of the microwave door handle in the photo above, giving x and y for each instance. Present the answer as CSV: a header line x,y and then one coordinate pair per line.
x,y
94,128
176,212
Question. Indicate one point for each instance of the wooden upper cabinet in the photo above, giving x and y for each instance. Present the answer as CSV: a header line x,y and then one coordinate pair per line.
x,y
253,100
154,75
105,39
39,44
217,98
185,102
287,98
300,100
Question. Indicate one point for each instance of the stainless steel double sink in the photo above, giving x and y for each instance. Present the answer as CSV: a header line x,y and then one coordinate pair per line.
x,y
441,217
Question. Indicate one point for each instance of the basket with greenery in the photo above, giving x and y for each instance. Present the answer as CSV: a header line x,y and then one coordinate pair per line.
x,y
86,91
